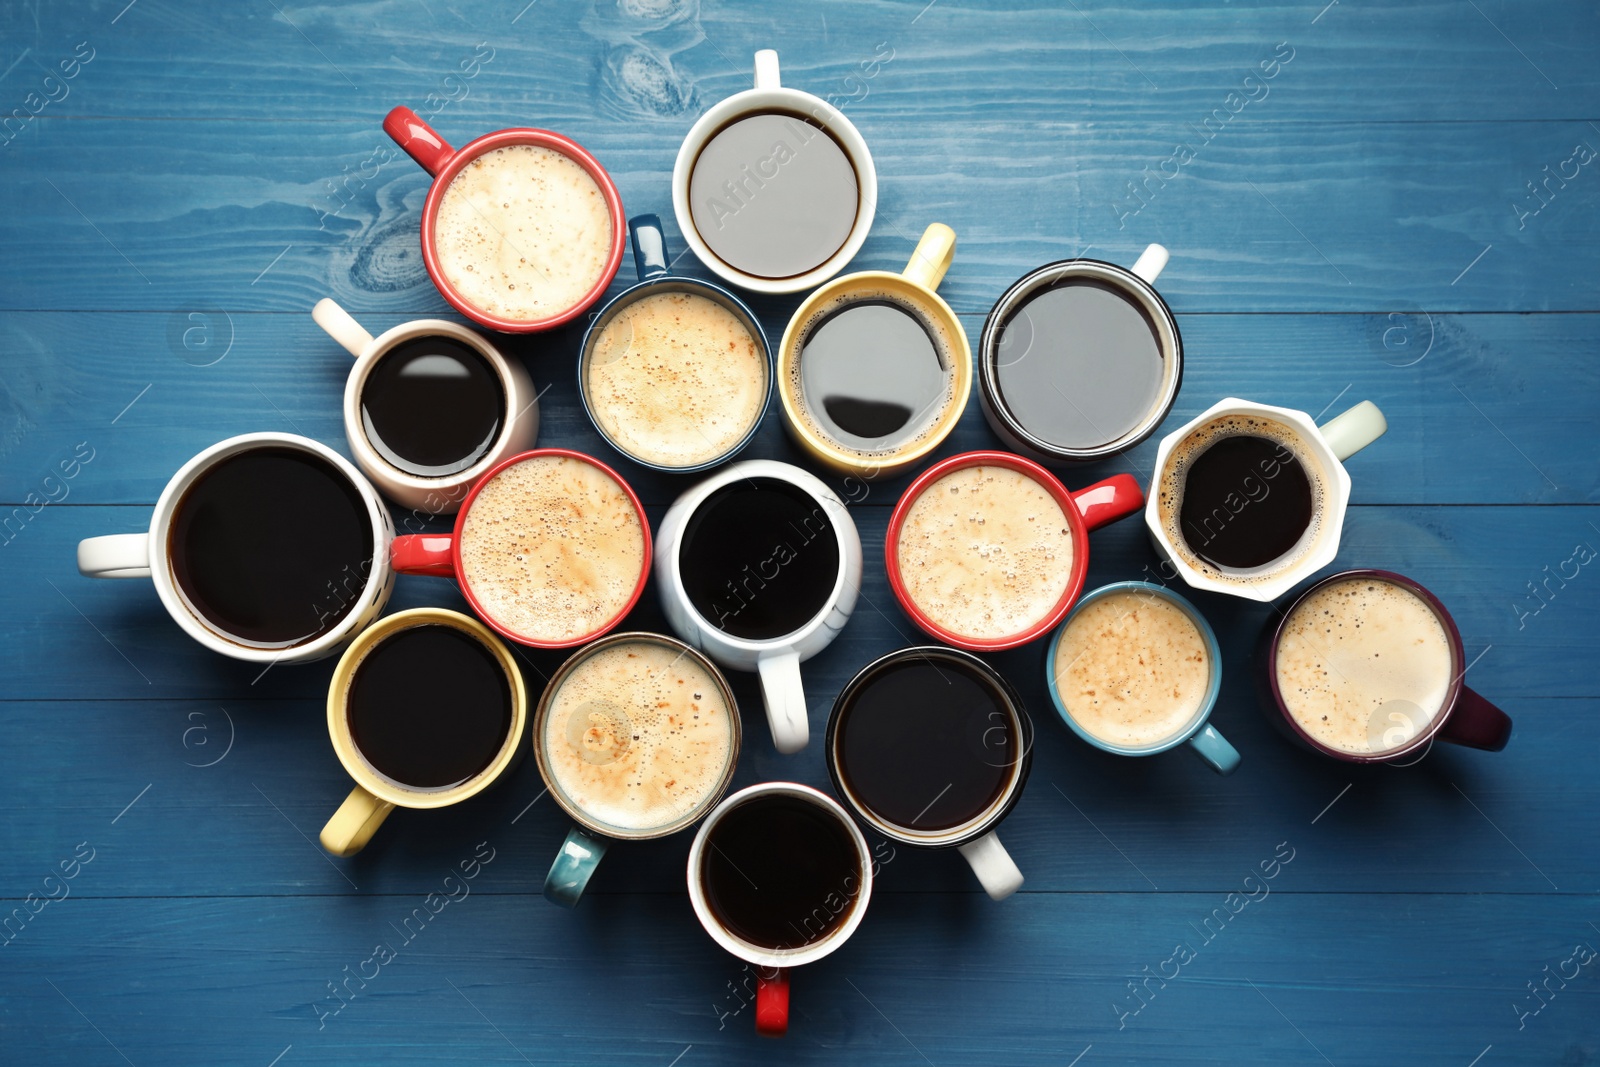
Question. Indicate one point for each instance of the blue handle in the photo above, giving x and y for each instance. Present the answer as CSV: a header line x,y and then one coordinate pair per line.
x,y
579,856
649,246
1215,750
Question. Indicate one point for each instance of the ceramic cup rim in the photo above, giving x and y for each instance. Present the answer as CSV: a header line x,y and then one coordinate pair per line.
x,y
1208,703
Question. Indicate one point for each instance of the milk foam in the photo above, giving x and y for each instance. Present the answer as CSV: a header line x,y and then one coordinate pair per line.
x,y
1355,646
552,548
676,379
523,232
1132,669
1170,484
985,552
638,736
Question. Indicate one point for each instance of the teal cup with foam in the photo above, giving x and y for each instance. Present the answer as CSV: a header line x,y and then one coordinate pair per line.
x,y
1121,665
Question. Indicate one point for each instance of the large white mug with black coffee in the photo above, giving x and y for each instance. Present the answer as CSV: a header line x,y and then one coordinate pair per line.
x,y
267,547
1249,499
759,567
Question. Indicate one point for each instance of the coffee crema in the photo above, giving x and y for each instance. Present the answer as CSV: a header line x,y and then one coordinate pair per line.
x,y
1241,499
1132,669
871,373
676,379
639,735
523,232
985,552
1364,665
552,548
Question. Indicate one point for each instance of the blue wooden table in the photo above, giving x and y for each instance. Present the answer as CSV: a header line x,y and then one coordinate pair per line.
x,y
1403,211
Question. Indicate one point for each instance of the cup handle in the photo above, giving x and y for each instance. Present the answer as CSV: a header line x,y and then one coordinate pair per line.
x,y
353,825
772,1001
1215,750
649,246
767,70
569,875
1476,723
1151,262
1349,432
418,140
993,865
338,324
932,256
785,698
1105,502
424,554
115,556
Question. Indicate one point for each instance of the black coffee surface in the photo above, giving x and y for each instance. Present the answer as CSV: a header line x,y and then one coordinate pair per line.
x,y
773,195
871,374
927,743
429,707
272,546
759,558
432,406
1246,502
781,872
1079,364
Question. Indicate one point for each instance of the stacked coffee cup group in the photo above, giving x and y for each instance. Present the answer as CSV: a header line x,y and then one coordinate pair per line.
x,y
758,564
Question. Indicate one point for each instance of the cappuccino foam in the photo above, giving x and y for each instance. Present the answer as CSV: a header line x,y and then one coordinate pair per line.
x,y
639,735
1132,669
523,232
985,552
552,548
676,379
1364,665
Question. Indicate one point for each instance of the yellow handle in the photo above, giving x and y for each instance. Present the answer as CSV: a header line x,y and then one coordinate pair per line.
x,y
353,825
932,256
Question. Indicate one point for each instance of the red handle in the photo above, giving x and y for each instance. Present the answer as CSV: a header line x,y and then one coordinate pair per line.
x,y
424,554
418,139
1476,723
772,1001
1105,502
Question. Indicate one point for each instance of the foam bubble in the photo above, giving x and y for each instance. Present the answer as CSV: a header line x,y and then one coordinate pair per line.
x,y
985,552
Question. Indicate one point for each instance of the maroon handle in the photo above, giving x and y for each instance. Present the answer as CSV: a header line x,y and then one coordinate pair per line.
x,y
418,139
1476,723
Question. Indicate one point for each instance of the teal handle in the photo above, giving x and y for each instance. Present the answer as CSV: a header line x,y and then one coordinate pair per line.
x,y
1215,750
649,246
574,865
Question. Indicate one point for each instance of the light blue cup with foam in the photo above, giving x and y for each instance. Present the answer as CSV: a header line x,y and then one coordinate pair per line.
x,y
1197,732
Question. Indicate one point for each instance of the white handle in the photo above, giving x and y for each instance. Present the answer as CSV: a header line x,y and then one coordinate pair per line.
x,y
786,701
1151,262
993,865
1354,430
115,556
767,70
341,327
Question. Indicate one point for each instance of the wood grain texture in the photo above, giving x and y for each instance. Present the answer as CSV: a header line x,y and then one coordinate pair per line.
x,y
1358,225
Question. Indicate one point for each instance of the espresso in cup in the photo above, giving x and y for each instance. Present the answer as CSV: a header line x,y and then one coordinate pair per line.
x,y
524,232
432,406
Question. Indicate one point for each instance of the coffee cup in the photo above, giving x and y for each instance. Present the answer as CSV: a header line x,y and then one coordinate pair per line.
x,y
522,228
674,372
1248,499
779,876
266,547
1135,670
931,747
774,188
1367,666
874,369
988,550
636,737
426,709
551,548
759,567
1080,360
429,406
